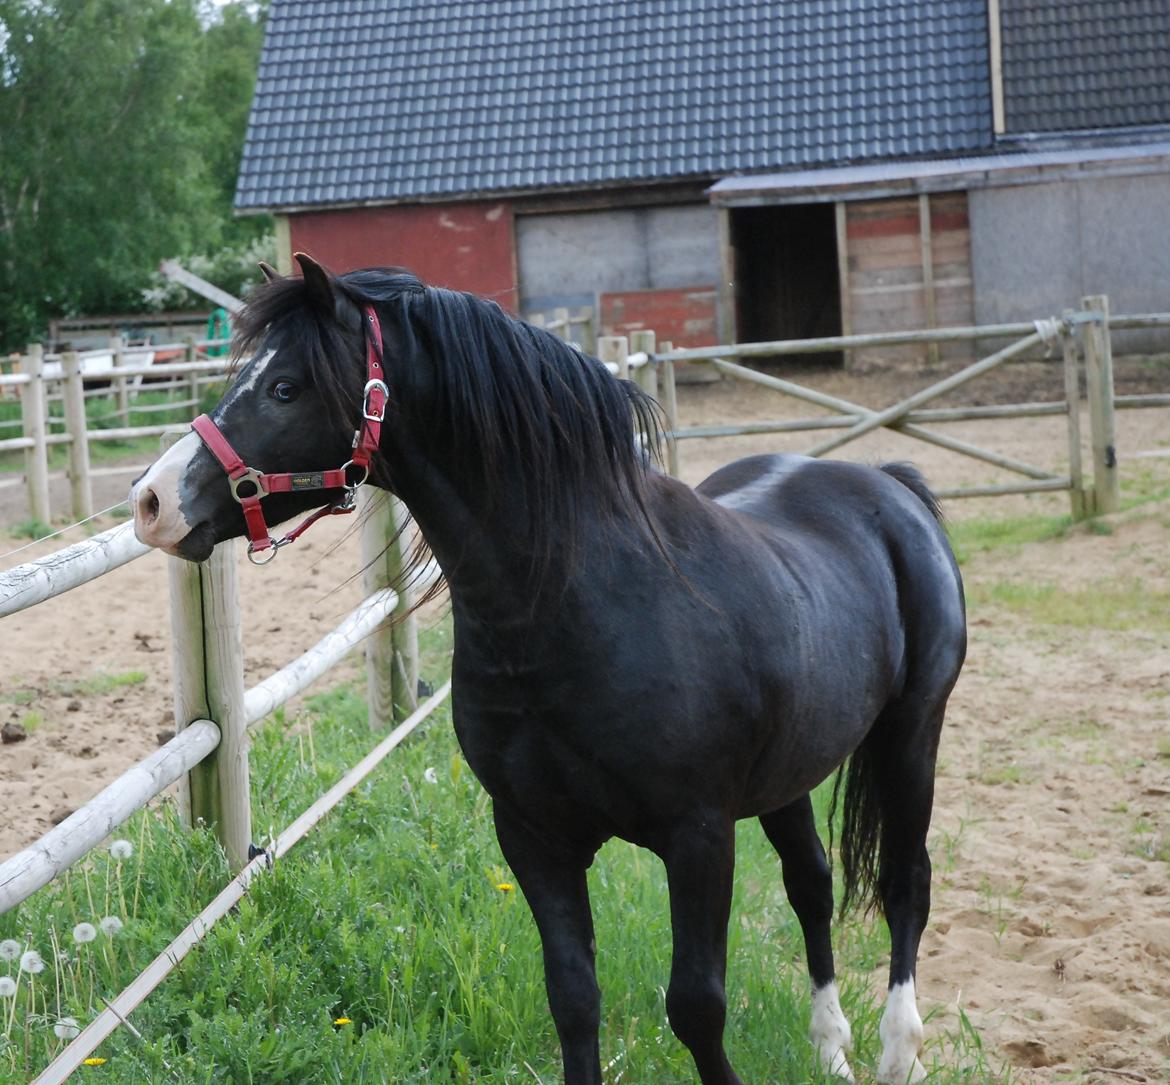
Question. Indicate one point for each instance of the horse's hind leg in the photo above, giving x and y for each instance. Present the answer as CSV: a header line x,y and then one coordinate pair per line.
x,y
808,882
700,861
557,892
904,778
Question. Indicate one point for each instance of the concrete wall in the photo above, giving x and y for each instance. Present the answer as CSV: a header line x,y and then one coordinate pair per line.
x,y
464,246
1037,249
571,258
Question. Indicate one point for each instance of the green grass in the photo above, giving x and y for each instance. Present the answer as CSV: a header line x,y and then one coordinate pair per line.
x,y
101,683
1104,604
978,535
395,914
30,529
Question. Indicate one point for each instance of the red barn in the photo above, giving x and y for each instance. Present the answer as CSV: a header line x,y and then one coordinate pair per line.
x,y
725,169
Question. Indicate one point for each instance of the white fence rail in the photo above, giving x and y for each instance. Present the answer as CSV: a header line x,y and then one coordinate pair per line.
x,y
44,379
212,709
208,754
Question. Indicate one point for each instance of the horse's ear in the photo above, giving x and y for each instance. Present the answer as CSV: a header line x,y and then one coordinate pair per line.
x,y
317,279
270,273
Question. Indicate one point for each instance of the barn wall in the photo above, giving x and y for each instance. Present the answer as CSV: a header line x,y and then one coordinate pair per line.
x,y
1037,249
464,246
650,266
683,317
886,283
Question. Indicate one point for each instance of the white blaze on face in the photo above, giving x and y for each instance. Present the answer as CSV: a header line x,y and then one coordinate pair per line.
x,y
248,379
158,518
901,1033
830,1032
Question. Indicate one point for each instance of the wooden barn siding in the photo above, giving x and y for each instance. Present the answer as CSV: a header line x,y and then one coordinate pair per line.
x,y
463,246
885,271
682,317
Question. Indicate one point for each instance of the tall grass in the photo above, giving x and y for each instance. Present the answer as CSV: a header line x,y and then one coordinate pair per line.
x,y
393,946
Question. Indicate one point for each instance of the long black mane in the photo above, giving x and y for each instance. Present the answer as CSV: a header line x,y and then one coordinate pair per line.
x,y
522,412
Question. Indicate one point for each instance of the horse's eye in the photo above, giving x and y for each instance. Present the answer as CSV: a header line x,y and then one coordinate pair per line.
x,y
284,391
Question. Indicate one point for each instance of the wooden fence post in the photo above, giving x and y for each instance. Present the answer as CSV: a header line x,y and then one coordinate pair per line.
x,y
646,375
1099,387
561,324
32,414
207,664
191,355
615,349
588,339
392,649
1080,498
77,426
670,406
122,391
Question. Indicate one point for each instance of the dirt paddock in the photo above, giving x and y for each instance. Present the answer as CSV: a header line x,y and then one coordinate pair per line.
x,y
1050,927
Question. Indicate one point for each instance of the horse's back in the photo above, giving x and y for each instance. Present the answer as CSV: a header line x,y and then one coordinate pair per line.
x,y
868,517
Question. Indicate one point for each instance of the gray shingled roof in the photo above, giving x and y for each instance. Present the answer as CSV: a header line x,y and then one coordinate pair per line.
x,y
382,100
1069,64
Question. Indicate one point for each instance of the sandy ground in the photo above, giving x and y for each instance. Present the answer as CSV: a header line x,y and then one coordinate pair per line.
x,y
1051,921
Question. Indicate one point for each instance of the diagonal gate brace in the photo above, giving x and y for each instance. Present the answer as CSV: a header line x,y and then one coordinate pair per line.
x,y
895,417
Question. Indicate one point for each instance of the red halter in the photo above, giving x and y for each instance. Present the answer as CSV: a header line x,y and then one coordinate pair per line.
x,y
365,444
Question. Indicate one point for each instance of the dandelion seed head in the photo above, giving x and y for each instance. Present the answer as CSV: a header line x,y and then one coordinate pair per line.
x,y
31,962
9,949
110,925
84,932
431,776
121,849
7,986
67,1028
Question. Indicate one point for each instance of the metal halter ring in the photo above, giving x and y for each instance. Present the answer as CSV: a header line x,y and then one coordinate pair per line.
x,y
351,487
270,551
371,385
248,476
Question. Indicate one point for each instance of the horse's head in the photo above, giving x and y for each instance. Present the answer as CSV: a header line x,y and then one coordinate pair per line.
x,y
292,408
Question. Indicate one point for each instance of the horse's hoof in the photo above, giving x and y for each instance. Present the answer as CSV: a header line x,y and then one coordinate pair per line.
x,y
830,1033
900,1071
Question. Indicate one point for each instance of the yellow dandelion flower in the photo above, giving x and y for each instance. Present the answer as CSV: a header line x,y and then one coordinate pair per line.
x,y
505,887
342,1021
95,1061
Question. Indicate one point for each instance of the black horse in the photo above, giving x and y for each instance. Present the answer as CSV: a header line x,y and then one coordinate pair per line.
x,y
633,658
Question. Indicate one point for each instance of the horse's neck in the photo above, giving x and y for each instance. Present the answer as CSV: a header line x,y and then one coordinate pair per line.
x,y
486,554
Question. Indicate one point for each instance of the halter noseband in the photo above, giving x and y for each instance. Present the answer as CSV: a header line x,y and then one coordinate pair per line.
x,y
365,443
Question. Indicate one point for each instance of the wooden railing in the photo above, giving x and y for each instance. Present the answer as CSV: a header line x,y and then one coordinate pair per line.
x,y
1082,337
213,711
41,379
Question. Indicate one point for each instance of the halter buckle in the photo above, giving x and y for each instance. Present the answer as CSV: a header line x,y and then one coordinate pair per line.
x,y
250,475
371,386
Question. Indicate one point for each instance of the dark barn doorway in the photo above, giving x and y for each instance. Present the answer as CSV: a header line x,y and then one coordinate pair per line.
x,y
786,275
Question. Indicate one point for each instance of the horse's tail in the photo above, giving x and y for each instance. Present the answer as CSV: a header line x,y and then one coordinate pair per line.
x,y
910,477
860,826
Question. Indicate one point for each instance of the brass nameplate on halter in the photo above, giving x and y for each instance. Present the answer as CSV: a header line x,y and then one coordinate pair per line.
x,y
313,481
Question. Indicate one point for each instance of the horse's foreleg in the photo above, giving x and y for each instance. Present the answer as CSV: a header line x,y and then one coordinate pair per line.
x,y
699,866
557,893
808,882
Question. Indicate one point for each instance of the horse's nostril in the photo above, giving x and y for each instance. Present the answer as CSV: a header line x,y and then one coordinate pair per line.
x,y
148,506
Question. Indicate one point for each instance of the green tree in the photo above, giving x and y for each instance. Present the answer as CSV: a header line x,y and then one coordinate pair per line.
x,y
120,128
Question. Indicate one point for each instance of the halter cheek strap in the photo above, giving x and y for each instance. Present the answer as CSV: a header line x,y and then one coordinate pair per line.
x,y
249,486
